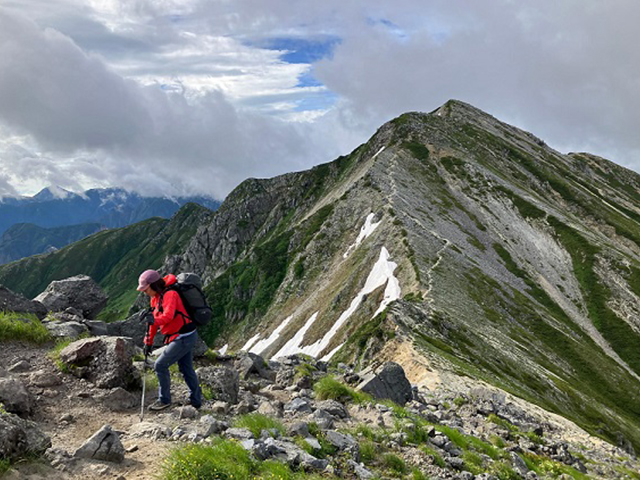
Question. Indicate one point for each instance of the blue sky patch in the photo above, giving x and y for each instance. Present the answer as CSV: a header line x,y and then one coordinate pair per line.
x,y
308,80
301,50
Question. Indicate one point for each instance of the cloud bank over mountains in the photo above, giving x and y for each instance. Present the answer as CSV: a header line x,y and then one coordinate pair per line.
x,y
192,97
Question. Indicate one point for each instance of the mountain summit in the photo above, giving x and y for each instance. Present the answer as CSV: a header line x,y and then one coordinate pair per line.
x,y
456,245
450,241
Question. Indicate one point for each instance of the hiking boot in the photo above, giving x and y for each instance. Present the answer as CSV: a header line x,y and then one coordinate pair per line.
x,y
158,406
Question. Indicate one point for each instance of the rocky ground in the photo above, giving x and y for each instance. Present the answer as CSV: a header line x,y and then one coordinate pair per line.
x,y
357,440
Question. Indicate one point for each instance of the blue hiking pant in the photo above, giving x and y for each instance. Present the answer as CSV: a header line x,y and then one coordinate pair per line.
x,y
181,351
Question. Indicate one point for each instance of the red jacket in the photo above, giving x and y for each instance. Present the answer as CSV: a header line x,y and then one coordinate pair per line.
x,y
169,314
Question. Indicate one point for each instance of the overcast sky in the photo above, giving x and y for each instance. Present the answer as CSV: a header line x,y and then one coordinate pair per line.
x,y
193,96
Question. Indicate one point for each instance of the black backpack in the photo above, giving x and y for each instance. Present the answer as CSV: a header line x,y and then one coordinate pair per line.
x,y
189,287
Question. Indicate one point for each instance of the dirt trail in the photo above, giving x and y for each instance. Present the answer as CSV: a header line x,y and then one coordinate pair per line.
x,y
78,398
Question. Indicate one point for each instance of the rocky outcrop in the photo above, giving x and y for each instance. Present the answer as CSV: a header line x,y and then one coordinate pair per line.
x,y
224,382
388,382
105,361
79,292
14,302
19,438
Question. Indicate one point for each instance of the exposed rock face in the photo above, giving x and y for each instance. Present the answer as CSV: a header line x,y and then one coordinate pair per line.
x,y
105,361
223,381
20,437
389,382
104,445
14,302
79,292
14,394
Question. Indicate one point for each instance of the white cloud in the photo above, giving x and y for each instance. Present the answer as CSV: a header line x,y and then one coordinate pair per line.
x,y
179,96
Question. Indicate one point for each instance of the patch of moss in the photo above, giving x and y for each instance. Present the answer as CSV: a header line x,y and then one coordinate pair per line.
x,y
418,150
314,224
622,338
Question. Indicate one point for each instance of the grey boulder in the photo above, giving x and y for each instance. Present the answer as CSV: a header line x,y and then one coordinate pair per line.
x,y
248,363
14,394
389,382
71,330
105,361
104,445
14,302
20,437
224,382
79,292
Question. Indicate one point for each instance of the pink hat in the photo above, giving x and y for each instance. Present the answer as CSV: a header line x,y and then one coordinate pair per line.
x,y
147,278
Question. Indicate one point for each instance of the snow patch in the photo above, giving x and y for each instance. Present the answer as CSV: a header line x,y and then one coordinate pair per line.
x,y
224,349
250,342
262,345
293,345
381,273
366,231
379,152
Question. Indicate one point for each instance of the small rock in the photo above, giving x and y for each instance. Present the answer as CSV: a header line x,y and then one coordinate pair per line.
x,y
209,425
334,408
239,434
187,412
103,445
248,444
67,417
454,462
148,429
313,443
14,395
389,382
19,367
220,408
340,440
360,471
268,409
298,405
439,441
118,399
324,419
299,428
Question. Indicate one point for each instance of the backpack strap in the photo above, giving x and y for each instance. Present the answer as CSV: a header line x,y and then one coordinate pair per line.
x,y
187,322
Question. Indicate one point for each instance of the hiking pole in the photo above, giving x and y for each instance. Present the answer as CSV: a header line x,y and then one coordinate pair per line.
x,y
144,366
144,384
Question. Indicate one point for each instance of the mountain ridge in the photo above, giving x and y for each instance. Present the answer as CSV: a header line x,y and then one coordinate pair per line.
x,y
497,209
515,265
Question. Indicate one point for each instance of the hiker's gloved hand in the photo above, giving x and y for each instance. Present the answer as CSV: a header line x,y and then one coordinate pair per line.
x,y
148,318
147,349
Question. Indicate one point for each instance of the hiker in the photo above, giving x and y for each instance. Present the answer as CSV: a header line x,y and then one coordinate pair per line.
x,y
169,315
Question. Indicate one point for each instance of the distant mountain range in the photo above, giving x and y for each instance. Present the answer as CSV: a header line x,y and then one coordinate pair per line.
x,y
56,217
